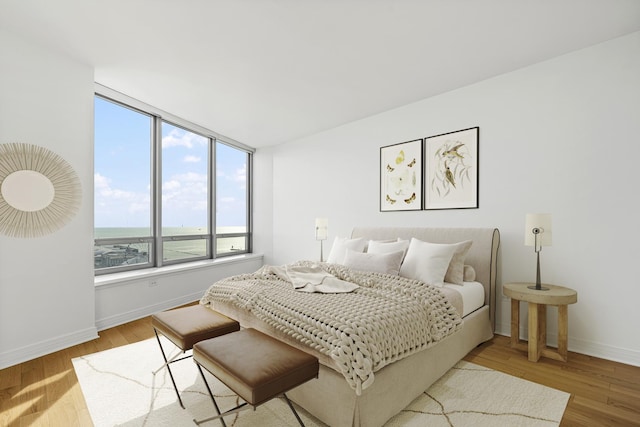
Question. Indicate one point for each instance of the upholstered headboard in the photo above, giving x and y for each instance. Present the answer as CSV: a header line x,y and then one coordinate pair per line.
x,y
482,256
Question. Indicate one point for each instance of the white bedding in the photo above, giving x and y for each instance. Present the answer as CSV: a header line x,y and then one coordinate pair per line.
x,y
386,319
331,399
472,294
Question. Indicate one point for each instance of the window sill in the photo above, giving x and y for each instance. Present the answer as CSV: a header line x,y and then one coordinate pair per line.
x,y
148,273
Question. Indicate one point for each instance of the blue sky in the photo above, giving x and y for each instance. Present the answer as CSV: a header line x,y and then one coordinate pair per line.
x,y
122,173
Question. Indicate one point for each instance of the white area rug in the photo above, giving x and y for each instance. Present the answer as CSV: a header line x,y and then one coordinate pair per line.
x,y
120,390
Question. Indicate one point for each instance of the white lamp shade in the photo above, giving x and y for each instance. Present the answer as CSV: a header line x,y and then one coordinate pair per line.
x,y
322,226
541,222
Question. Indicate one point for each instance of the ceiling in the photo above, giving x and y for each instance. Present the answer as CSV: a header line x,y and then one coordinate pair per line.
x,y
264,72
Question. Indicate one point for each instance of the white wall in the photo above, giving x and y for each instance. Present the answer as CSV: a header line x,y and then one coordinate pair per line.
x,y
558,137
262,181
48,298
121,298
46,284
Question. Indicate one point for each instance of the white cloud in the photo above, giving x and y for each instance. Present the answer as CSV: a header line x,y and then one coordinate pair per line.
x,y
184,193
115,207
102,186
238,176
191,177
241,174
100,181
191,159
181,138
171,185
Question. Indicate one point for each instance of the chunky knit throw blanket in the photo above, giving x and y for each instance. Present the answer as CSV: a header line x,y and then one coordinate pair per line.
x,y
386,319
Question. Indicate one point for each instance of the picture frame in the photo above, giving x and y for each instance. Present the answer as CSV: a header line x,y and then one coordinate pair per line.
x,y
401,176
451,170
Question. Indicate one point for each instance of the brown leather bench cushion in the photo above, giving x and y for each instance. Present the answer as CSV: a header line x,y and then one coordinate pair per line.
x,y
189,325
255,366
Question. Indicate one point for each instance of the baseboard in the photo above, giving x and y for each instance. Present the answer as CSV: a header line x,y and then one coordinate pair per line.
x,y
139,313
615,354
32,351
589,348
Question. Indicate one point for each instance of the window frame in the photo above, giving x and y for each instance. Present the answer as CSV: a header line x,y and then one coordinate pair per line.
x,y
156,240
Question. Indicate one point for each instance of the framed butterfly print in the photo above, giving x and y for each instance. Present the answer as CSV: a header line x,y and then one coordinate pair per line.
x,y
401,176
451,170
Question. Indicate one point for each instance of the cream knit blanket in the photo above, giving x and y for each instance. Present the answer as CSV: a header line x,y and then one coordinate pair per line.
x,y
386,319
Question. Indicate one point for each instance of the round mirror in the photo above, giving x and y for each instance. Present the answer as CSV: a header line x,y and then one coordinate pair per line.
x,y
27,190
40,191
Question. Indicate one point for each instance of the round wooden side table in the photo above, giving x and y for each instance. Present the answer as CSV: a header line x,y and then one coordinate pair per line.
x,y
538,300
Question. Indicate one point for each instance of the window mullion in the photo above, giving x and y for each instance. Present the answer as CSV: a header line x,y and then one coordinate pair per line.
x,y
156,183
212,198
249,237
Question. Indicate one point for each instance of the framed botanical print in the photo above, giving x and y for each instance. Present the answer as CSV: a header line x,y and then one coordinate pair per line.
x,y
401,176
451,170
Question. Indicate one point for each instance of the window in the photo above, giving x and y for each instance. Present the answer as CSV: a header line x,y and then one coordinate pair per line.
x,y
185,194
166,191
231,199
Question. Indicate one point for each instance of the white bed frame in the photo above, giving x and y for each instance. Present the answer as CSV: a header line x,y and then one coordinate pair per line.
x,y
333,401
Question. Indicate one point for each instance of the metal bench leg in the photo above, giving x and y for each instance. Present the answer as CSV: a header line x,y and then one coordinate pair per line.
x,y
293,409
173,359
212,399
166,363
238,408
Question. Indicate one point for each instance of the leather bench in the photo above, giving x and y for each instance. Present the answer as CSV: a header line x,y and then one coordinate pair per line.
x,y
255,366
186,326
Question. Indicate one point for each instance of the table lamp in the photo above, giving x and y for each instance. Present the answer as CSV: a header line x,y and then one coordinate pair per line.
x,y
322,225
537,233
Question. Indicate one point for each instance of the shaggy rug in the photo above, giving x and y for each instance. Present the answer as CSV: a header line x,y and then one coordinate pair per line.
x,y
121,390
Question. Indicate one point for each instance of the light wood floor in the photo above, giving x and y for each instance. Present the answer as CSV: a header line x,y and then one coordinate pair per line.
x,y
603,393
45,391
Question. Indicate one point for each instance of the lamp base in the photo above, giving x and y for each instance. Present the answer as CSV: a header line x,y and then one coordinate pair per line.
x,y
541,288
538,286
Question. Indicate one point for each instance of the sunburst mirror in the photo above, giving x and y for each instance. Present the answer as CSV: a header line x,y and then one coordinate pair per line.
x,y
39,191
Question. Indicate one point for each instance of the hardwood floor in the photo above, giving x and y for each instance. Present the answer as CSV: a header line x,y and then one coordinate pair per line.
x,y
603,393
45,391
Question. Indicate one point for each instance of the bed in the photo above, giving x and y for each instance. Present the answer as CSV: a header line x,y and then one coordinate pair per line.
x,y
376,396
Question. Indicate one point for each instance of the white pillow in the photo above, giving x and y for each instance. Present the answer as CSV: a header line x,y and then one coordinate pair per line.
x,y
427,262
340,246
380,263
455,272
469,274
378,247
379,241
